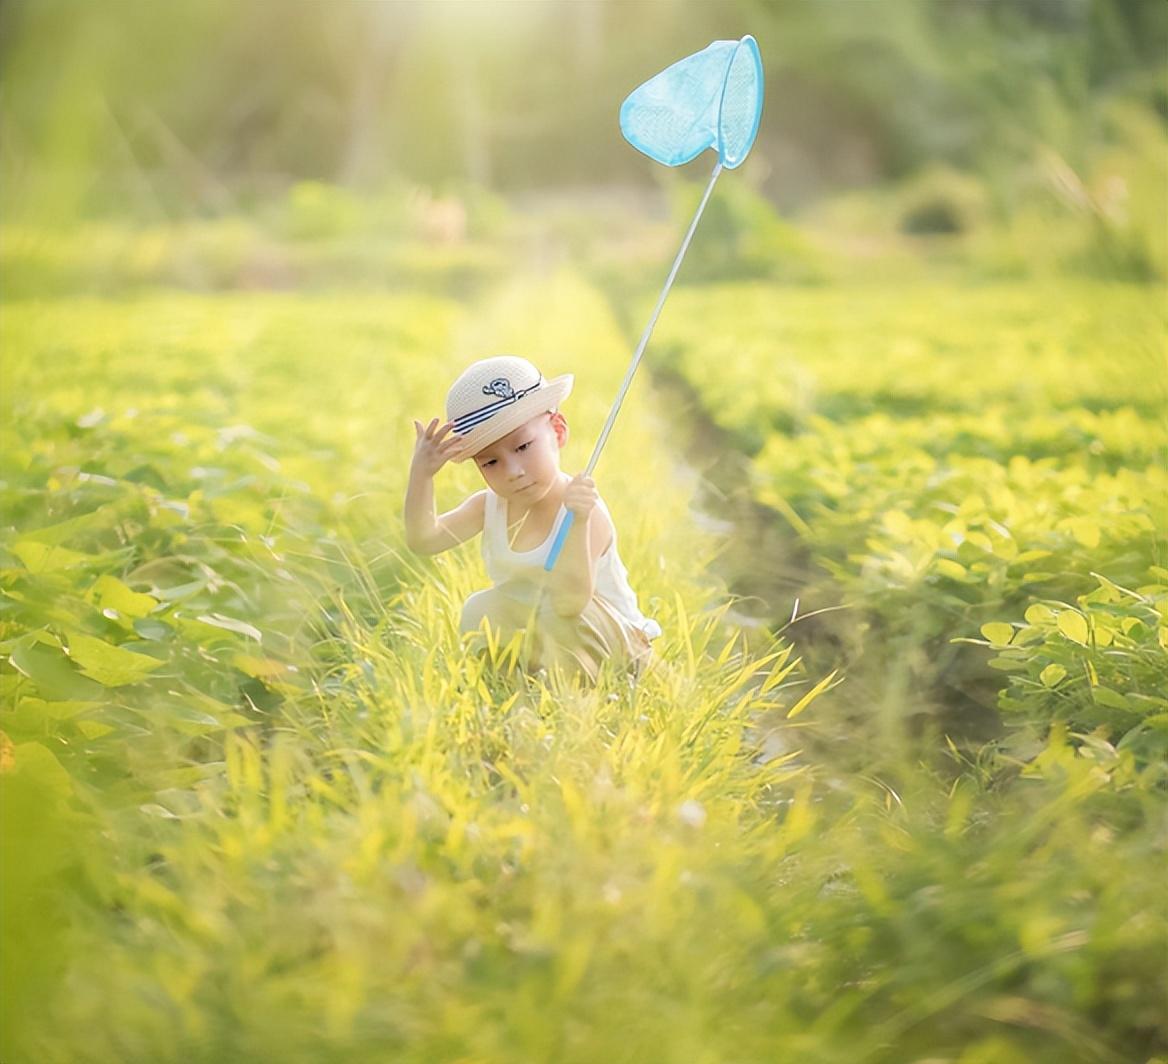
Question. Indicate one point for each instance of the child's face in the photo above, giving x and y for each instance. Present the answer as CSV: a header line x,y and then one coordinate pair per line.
x,y
525,463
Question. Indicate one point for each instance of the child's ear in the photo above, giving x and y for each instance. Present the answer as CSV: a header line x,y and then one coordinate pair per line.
x,y
559,427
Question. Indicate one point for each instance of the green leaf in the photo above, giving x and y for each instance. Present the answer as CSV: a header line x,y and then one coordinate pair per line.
x,y
1051,675
1037,613
1074,626
898,523
39,558
811,695
93,729
259,668
57,710
34,763
152,629
109,665
50,670
981,541
110,593
1028,634
1085,530
1105,696
196,714
41,635
54,535
180,591
998,632
948,567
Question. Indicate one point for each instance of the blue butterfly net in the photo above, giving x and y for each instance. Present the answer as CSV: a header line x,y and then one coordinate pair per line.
x,y
711,99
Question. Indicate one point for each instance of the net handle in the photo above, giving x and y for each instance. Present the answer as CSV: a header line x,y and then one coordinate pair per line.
x,y
652,322
558,545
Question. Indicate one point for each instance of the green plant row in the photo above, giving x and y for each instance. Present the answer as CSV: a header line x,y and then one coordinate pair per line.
x,y
764,357
179,473
953,457
1096,665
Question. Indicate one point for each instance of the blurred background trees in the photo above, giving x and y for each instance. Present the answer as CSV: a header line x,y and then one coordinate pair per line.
x,y
971,109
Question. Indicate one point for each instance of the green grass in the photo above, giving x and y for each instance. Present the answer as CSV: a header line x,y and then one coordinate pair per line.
x,y
260,804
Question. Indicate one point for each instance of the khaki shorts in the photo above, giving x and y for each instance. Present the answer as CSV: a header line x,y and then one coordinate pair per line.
x,y
577,645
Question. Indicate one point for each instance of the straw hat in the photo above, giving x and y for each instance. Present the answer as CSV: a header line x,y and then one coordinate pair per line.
x,y
494,396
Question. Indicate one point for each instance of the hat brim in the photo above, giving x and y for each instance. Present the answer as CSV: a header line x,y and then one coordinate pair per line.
x,y
509,418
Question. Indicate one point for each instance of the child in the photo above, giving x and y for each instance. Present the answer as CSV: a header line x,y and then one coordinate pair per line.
x,y
502,413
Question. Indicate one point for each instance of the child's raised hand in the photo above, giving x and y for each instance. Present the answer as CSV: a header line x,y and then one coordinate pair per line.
x,y
580,495
431,452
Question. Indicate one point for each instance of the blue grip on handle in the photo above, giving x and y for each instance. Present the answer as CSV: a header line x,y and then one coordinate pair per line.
x,y
558,544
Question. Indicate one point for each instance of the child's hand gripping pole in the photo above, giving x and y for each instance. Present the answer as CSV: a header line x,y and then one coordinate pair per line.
x,y
565,527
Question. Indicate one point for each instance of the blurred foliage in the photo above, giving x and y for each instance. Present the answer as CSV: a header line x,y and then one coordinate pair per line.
x,y
1021,138
741,236
1105,217
941,200
313,237
203,107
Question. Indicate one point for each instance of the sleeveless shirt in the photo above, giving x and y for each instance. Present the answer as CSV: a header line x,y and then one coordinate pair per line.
x,y
504,564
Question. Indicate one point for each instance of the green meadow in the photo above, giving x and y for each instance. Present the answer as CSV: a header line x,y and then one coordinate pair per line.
x,y
260,803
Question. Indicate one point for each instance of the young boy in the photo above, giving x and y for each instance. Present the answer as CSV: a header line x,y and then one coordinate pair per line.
x,y
502,413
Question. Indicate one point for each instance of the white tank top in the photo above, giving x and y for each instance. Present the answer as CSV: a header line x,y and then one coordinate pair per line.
x,y
520,567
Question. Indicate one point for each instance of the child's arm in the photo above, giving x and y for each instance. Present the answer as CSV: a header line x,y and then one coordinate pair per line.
x,y
426,533
573,580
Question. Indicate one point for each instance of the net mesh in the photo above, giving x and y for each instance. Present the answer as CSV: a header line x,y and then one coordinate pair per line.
x,y
673,117
711,99
741,104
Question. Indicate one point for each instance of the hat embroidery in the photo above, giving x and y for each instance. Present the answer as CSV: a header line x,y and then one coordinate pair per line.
x,y
500,386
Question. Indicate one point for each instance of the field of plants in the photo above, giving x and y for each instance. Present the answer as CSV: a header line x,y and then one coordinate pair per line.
x,y
259,803
982,463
